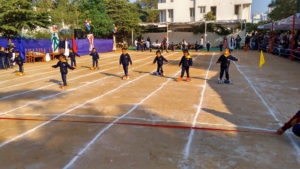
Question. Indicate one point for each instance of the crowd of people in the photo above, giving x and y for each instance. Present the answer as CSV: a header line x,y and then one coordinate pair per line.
x,y
276,43
228,42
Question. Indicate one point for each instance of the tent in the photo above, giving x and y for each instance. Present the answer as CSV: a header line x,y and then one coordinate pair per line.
x,y
289,23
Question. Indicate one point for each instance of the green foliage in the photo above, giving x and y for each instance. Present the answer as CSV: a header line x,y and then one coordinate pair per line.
x,y
95,11
216,28
124,15
16,15
210,16
150,4
283,8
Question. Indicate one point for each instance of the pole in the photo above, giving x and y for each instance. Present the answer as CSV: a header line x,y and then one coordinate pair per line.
x,y
114,46
167,36
258,40
272,36
132,37
292,43
205,32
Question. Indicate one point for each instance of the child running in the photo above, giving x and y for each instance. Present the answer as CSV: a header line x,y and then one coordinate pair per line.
x,y
125,60
72,56
186,62
96,57
160,62
224,60
19,61
64,65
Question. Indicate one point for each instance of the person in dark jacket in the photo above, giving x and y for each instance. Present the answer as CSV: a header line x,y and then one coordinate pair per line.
x,y
160,62
19,61
294,123
224,60
208,46
125,60
186,62
96,57
8,58
64,66
61,45
2,58
72,56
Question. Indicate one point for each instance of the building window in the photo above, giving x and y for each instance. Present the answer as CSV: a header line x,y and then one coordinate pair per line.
x,y
161,1
162,16
202,9
192,12
171,14
214,10
237,9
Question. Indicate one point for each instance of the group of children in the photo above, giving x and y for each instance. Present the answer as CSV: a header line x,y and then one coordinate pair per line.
x,y
7,60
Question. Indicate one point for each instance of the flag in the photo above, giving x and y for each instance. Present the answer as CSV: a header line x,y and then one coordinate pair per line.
x,y
21,48
262,59
74,44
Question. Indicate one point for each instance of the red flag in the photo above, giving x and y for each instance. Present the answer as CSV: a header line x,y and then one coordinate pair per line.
x,y
74,44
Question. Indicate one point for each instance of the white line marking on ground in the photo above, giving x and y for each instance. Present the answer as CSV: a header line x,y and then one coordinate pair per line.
x,y
74,159
270,111
186,151
48,66
70,110
76,71
78,77
69,90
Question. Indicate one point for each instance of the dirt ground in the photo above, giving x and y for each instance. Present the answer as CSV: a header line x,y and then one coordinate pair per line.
x,y
102,122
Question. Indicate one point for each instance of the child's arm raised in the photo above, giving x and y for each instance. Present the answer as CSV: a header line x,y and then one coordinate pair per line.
x,y
165,59
55,66
155,59
232,58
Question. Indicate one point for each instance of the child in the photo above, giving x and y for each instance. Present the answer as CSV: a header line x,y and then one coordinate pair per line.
x,y
7,58
2,57
186,62
208,46
225,63
293,122
95,56
125,60
160,62
64,65
72,56
19,61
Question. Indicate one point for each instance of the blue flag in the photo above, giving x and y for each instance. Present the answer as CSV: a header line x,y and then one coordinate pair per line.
x,y
21,48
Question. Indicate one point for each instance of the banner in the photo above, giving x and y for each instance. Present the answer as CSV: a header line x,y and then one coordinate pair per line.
x,y
91,40
55,42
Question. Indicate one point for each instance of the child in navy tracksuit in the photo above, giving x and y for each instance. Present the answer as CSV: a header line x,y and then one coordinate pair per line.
x,y
19,61
96,57
224,60
186,62
160,62
293,122
63,65
208,46
2,58
125,60
72,56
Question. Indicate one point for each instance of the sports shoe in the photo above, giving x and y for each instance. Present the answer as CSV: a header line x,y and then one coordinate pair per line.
x,y
179,79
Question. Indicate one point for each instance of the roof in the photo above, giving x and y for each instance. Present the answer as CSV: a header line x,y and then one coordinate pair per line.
x,y
284,24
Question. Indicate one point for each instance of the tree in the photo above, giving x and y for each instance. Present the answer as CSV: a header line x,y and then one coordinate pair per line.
x,y
124,15
95,11
210,16
283,8
16,15
150,4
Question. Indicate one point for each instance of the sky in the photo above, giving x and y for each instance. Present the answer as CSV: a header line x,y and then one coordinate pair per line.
x,y
258,6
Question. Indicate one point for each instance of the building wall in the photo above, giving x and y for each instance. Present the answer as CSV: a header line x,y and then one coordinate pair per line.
x,y
177,37
225,9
